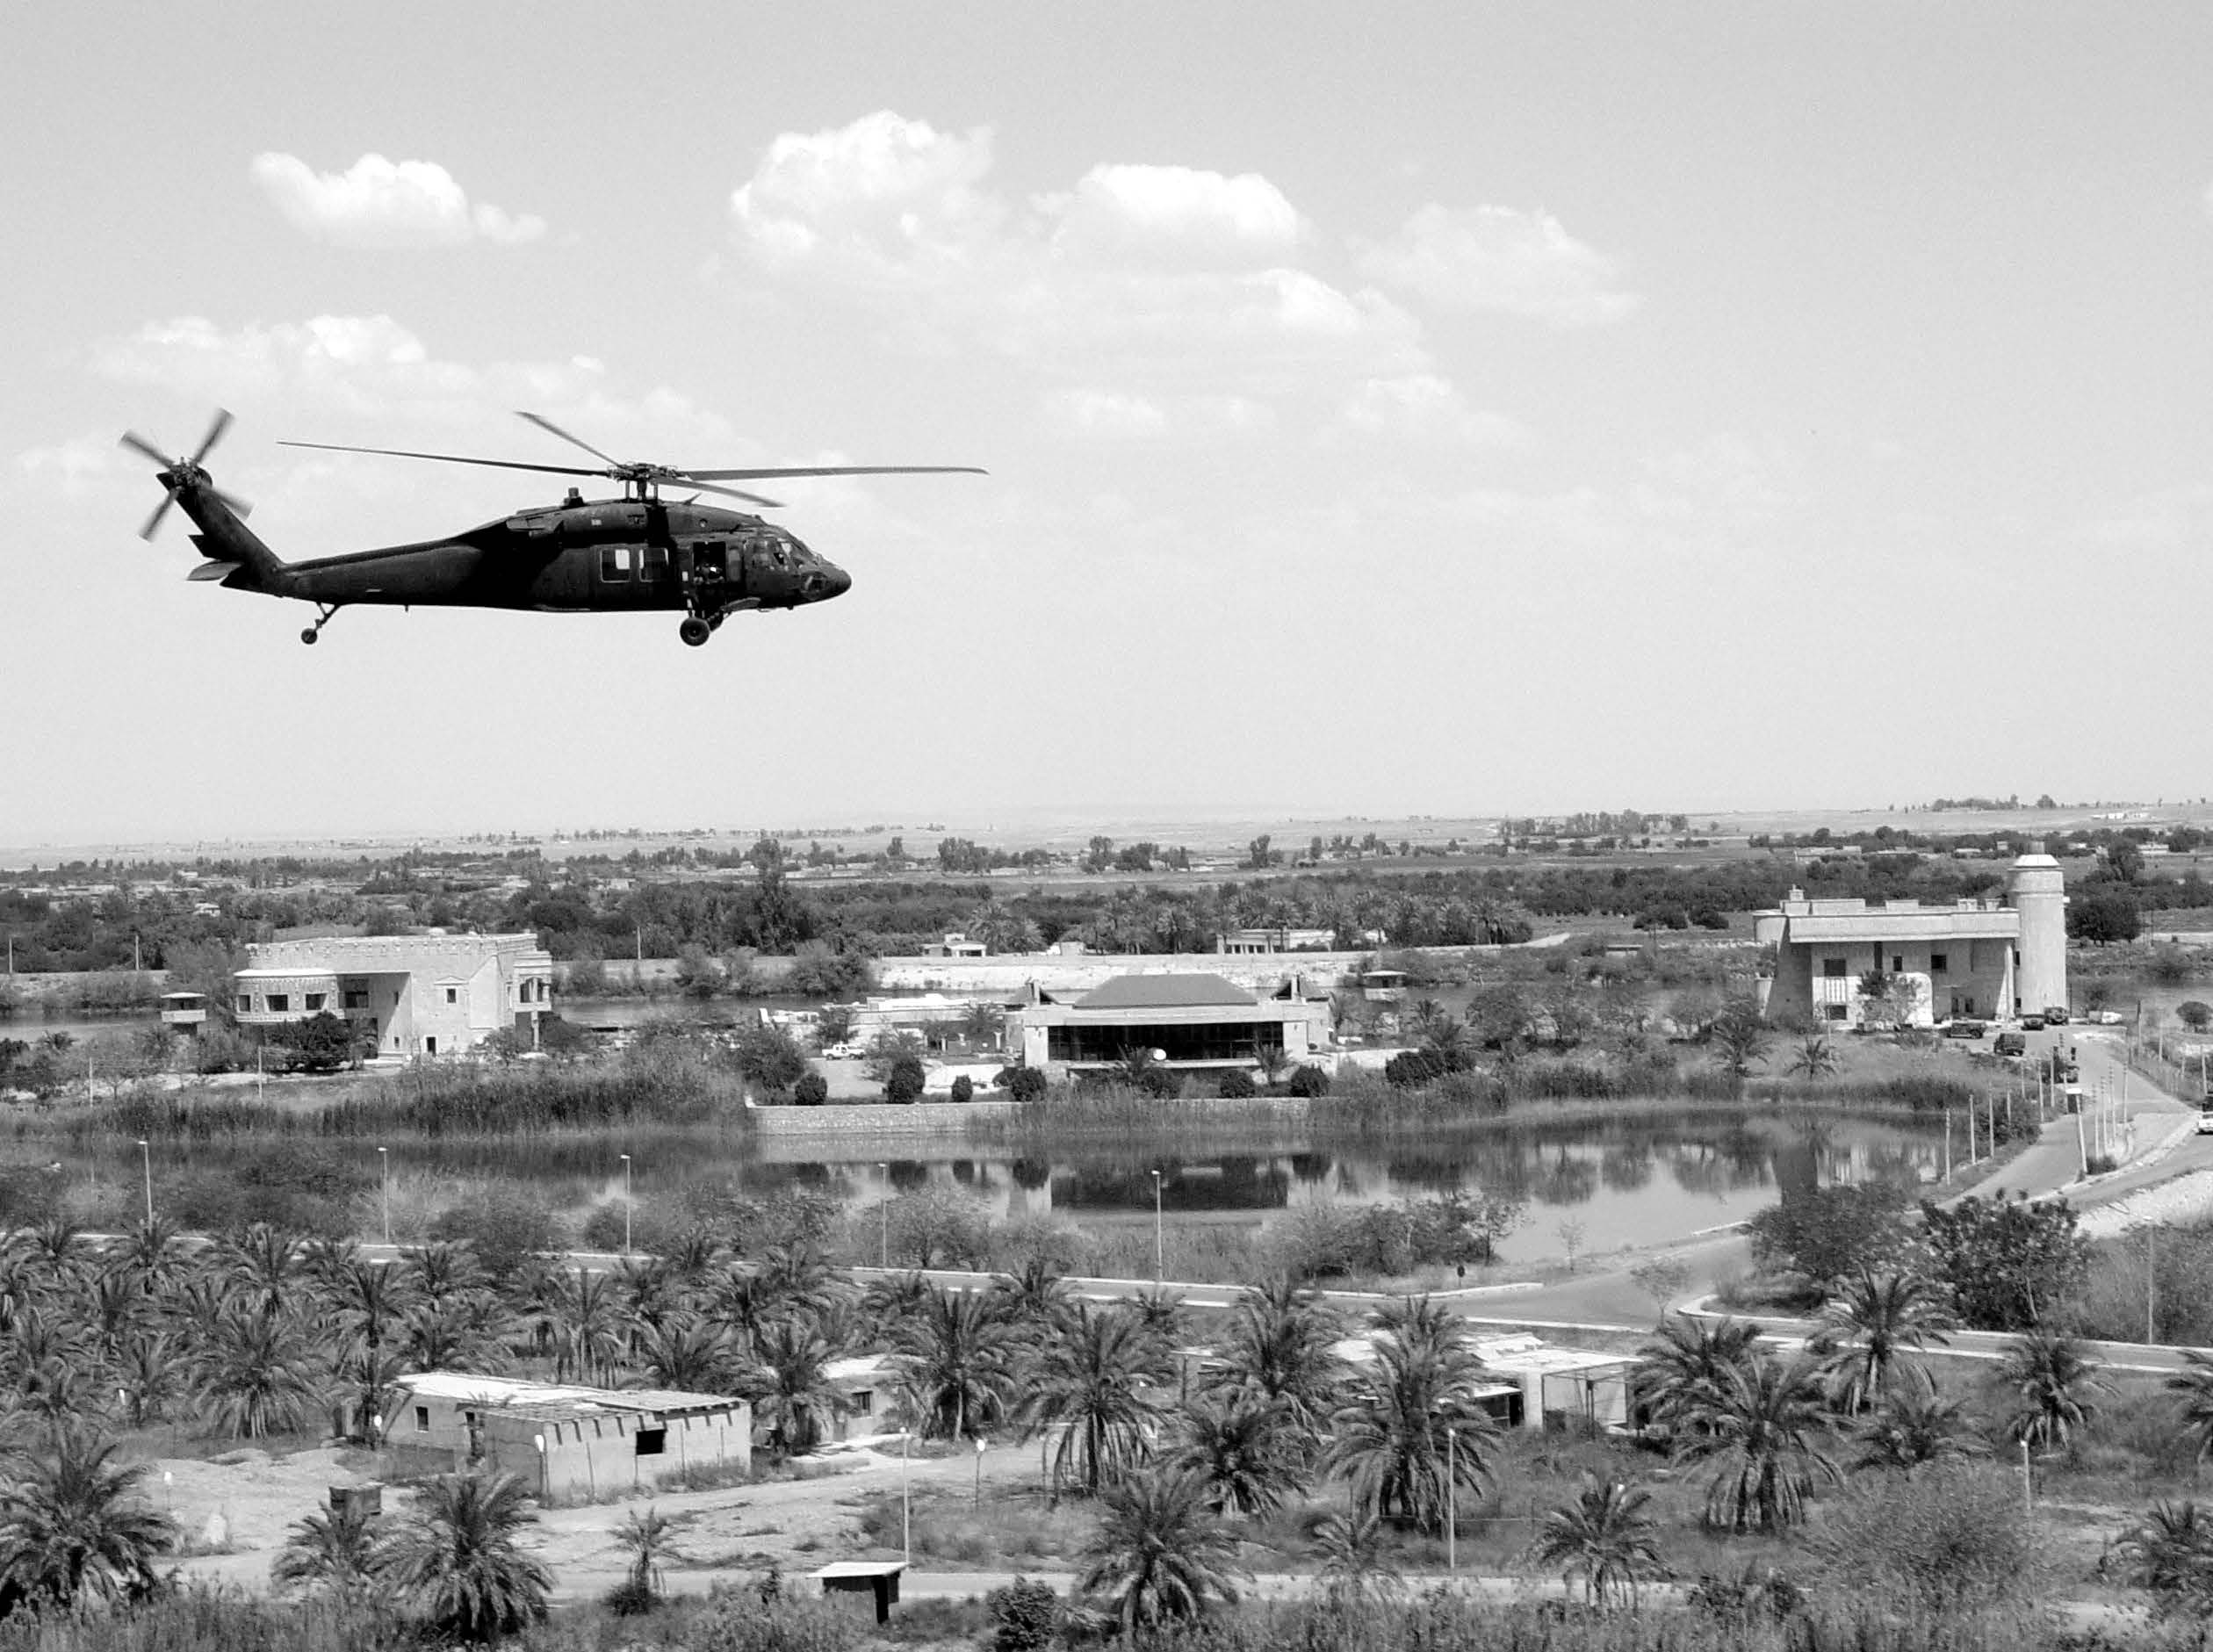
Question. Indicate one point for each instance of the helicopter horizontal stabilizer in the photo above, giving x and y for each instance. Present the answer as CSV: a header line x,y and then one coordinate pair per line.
x,y
214,570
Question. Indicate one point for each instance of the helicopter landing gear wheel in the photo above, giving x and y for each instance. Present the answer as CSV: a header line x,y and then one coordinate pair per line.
x,y
322,618
694,632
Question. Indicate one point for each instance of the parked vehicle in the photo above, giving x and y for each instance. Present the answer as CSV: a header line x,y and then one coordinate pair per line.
x,y
1964,1027
2055,1015
2205,1117
2032,1023
2010,1044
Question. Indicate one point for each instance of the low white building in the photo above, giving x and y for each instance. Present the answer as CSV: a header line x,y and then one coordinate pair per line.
x,y
565,1443
406,995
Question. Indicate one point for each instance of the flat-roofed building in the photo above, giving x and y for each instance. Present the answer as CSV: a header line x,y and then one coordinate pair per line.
x,y
1194,1020
1973,957
406,995
568,1444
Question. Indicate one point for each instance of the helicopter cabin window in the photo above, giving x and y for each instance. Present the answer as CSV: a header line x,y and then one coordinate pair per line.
x,y
654,567
709,559
615,563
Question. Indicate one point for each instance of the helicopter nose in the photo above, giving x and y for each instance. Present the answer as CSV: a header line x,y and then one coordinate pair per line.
x,y
835,582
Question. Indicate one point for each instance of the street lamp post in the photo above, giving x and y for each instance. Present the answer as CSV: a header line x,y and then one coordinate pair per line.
x,y
907,1508
146,1158
980,1443
1452,1503
383,1185
883,1219
1159,1242
626,1204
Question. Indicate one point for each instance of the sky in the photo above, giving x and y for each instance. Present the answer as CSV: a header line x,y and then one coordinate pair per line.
x,y
1447,409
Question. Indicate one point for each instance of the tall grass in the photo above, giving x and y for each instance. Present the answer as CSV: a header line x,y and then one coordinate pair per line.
x,y
430,1104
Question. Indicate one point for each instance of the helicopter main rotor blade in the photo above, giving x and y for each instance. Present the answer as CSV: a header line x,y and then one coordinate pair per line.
x,y
832,469
547,425
751,499
138,445
449,459
222,422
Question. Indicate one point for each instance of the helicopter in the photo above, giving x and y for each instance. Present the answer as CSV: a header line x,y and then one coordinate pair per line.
x,y
583,556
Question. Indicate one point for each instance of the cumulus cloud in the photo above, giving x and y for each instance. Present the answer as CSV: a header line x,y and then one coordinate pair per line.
x,y
1124,416
1173,214
377,203
382,378
1423,408
1170,272
1497,258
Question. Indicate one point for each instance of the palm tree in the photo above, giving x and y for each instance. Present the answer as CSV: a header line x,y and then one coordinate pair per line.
x,y
2194,1383
796,1278
1035,1300
1411,1436
2170,1553
1159,1555
1877,1317
1913,1425
455,1332
686,1350
262,1262
368,1300
649,1538
1280,1348
791,1395
1356,1562
1161,1312
1605,1538
588,1338
342,1551
152,1255
1757,1429
2057,1384
1089,1381
1239,1452
961,1362
458,1560
442,1268
1418,1322
253,1377
1688,1362
1816,1059
72,1525
145,1372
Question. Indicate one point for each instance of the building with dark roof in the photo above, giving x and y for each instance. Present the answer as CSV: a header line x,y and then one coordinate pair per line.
x,y
1191,1021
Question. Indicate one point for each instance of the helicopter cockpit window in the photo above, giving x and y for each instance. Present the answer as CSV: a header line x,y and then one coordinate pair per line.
x,y
782,551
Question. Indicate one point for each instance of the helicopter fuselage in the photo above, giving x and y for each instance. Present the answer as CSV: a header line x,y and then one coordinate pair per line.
x,y
589,556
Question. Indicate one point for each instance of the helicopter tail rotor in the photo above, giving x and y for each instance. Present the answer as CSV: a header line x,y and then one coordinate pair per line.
x,y
175,474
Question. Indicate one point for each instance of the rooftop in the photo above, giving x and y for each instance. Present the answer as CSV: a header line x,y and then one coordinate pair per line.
x,y
1177,991
515,1393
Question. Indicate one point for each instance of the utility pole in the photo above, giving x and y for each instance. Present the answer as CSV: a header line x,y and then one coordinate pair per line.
x,y
2151,1283
1452,1503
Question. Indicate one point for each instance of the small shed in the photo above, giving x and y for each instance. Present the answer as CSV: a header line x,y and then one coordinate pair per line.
x,y
870,1587
1561,1385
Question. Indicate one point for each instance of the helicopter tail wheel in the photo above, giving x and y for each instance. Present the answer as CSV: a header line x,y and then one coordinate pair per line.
x,y
322,618
694,632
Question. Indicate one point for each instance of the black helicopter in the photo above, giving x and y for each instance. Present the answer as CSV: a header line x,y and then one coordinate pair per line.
x,y
598,556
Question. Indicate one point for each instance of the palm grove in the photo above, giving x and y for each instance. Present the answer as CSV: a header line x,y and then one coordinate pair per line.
x,y
1385,1438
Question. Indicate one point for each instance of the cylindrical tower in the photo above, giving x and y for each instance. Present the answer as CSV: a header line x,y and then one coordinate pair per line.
x,y
2037,890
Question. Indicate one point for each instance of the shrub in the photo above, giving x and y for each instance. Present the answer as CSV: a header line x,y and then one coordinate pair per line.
x,y
963,1090
1025,1616
903,1085
1829,1232
811,1091
2195,1015
1308,1082
506,1224
1236,1086
1943,1541
1411,1069
1024,1083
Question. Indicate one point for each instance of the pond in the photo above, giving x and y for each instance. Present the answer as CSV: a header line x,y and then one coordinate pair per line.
x,y
1626,1183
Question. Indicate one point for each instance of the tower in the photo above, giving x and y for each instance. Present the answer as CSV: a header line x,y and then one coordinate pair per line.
x,y
2037,890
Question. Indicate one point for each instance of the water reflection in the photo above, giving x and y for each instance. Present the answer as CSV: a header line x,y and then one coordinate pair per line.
x,y
1627,1183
